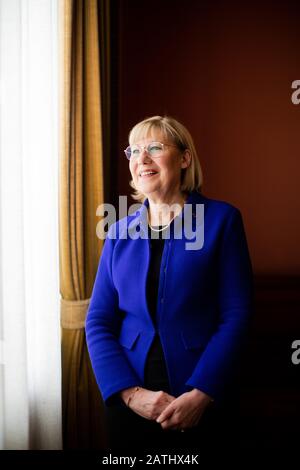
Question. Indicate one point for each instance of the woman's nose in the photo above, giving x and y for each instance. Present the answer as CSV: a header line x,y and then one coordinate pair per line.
x,y
143,156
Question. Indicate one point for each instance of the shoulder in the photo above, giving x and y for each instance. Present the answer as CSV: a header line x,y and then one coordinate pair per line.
x,y
119,229
216,207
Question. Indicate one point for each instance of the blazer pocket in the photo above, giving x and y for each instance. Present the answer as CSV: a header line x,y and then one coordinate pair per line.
x,y
128,337
193,340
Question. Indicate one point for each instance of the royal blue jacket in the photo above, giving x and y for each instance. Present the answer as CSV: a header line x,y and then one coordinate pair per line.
x,y
204,304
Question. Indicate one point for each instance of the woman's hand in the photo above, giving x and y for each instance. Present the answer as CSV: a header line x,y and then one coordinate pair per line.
x,y
185,411
147,403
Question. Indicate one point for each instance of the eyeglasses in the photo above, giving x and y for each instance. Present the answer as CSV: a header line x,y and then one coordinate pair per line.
x,y
154,149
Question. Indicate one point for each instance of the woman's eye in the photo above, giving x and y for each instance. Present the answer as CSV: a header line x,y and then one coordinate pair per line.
x,y
155,148
135,151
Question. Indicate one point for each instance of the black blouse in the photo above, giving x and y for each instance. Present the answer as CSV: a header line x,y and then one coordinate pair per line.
x,y
156,377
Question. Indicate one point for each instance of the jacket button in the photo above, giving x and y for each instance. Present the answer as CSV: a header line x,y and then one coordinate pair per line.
x,y
162,300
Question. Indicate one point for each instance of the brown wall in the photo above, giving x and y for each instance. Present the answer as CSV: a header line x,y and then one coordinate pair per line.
x,y
225,70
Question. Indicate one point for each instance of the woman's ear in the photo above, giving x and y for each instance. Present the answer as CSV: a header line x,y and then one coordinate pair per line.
x,y
186,159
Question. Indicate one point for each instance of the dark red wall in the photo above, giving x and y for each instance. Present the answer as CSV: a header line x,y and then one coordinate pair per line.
x,y
225,70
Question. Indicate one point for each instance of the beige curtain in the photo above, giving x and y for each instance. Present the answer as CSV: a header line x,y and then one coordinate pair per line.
x,y
81,191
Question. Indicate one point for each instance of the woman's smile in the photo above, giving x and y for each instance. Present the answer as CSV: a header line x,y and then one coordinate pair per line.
x,y
147,173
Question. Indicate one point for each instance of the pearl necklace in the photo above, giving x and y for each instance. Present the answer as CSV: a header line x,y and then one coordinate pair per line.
x,y
159,229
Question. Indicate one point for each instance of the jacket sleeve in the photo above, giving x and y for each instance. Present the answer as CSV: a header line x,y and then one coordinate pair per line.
x,y
216,366
111,368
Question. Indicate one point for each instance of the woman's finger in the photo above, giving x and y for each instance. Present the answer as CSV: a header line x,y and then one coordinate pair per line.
x,y
167,413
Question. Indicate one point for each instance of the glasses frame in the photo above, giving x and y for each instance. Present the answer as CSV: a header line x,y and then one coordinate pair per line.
x,y
145,147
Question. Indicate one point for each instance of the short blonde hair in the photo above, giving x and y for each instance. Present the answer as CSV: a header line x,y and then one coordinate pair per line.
x,y
192,178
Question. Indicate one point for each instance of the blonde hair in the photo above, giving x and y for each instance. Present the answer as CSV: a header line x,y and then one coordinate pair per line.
x,y
191,178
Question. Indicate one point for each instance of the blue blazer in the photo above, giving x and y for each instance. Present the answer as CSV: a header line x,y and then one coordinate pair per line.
x,y
204,303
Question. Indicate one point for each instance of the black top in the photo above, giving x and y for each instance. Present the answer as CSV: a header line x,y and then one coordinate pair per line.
x,y
156,377
156,250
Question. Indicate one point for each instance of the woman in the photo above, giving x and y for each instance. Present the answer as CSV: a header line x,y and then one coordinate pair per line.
x,y
168,314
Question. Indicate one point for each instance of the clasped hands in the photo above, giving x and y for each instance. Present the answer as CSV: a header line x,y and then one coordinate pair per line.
x,y
182,412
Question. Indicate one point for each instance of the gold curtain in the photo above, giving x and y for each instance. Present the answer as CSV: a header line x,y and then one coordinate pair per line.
x,y
81,191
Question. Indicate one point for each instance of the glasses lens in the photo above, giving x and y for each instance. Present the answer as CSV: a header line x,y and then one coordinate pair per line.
x,y
128,152
135,150
155,149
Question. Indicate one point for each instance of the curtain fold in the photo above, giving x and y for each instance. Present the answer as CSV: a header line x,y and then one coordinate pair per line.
x,y
81,192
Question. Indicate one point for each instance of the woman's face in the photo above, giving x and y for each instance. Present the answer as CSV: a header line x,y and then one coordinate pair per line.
x,y
164,181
